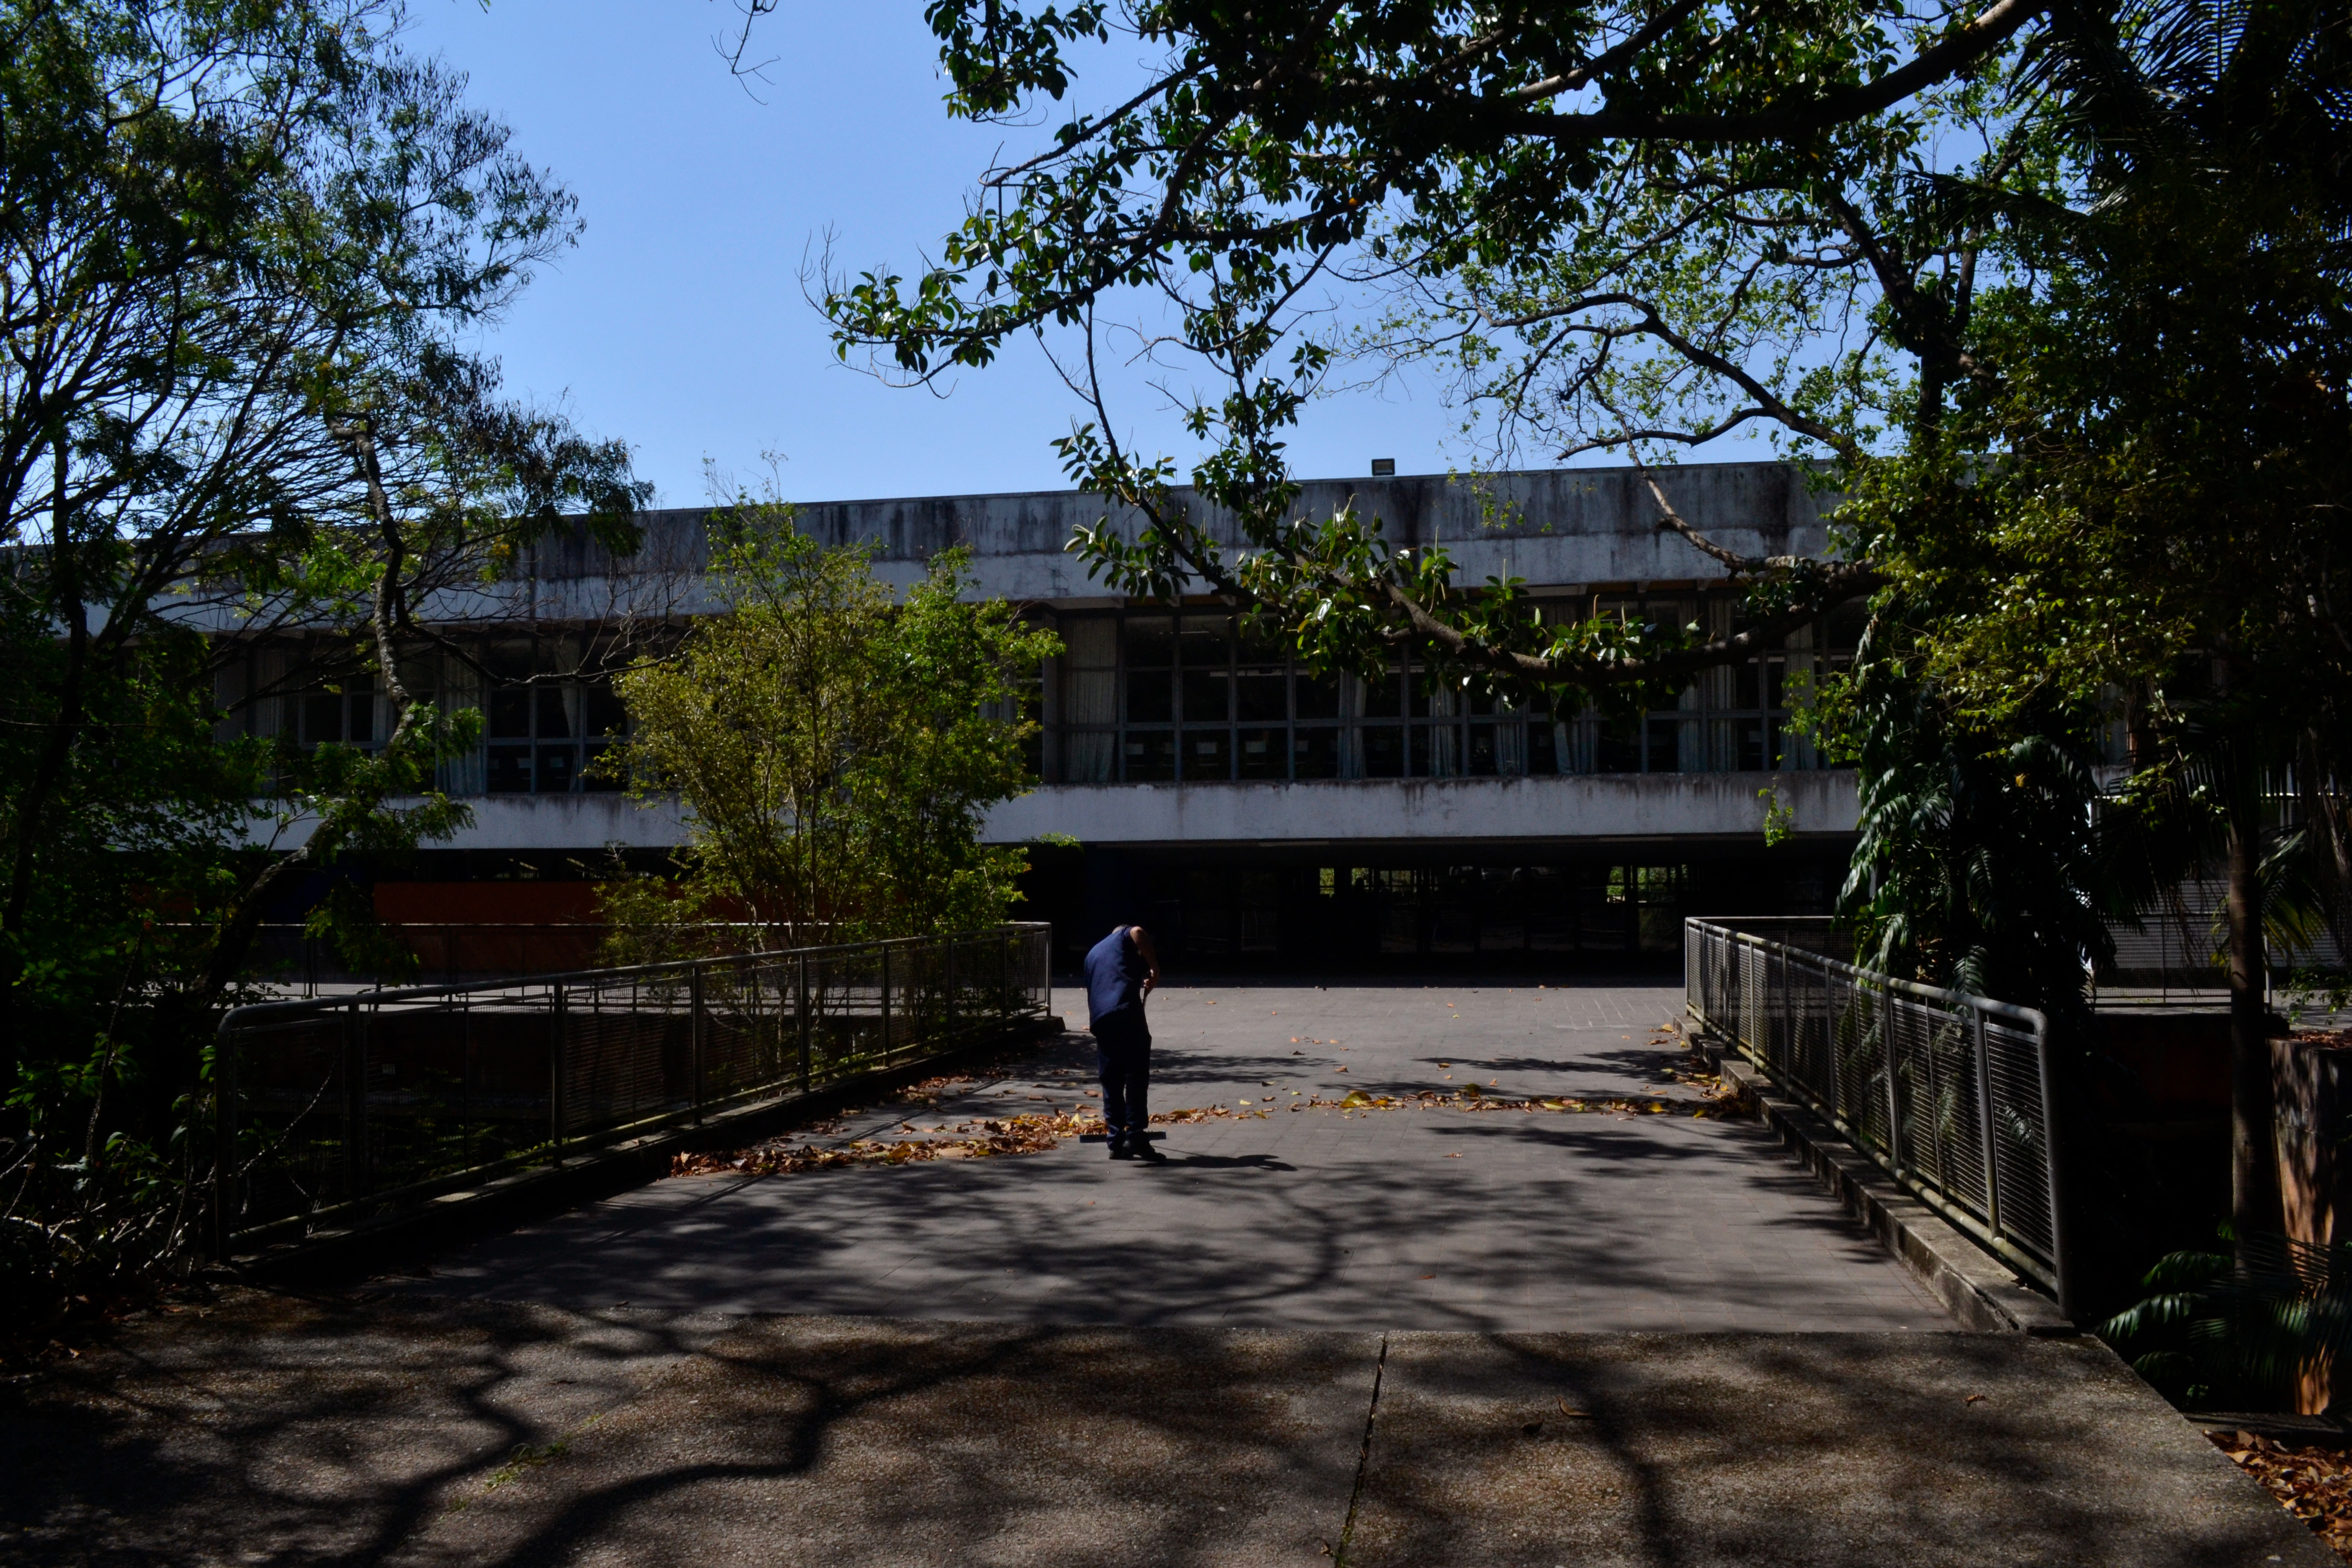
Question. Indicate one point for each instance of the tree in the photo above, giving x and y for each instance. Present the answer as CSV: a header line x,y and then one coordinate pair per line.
x,y
1270,148
2151,500
836,749
2052,290
241,247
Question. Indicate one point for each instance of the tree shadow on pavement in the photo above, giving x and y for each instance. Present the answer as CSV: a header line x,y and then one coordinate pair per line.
x,y
383,1433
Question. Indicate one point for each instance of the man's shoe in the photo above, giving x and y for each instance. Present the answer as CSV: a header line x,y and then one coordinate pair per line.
x,y
1121,1151
1150,1154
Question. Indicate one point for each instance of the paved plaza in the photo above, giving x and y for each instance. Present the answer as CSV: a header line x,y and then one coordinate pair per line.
x,y
1412,1338
1413,1218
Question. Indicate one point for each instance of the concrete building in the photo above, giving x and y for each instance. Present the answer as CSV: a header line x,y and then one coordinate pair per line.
x,y
1198,779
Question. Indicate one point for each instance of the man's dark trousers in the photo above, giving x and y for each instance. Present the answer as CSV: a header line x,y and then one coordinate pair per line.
x,y
1123,1063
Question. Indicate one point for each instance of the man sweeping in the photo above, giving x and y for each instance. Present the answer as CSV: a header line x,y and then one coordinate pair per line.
x,y
1121,971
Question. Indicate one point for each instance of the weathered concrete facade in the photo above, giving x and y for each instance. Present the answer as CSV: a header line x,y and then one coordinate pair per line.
x,y
1197,773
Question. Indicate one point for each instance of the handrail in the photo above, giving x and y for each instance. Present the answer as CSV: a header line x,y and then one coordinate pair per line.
x,y
376,994
1951,1094
332,1108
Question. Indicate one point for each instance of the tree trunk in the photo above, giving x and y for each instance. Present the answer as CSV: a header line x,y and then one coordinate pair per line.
x,y
2253,1165
33,803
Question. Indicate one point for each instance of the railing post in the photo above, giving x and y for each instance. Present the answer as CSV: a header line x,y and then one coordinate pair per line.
x,y
886,1001
1886,1055
1787,1034
556,1064
801,1011
950,986
1984,1123
697,1026
355,1121
465,1079
224,1139
2053,1163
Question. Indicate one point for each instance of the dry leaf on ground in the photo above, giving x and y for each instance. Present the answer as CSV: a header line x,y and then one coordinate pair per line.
x,y
2313,1484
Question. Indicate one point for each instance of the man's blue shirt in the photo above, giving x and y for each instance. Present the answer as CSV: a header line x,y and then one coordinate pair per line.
x,y
1115,972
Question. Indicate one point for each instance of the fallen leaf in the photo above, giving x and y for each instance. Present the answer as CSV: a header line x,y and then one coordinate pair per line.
x,y
1974,1399
1564,1410
1429,1277
1455,1155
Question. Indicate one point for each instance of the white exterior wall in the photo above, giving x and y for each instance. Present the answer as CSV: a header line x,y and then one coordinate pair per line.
x,y
1551,811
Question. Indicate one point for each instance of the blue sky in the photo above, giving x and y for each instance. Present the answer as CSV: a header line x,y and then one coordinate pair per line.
x,y
680,324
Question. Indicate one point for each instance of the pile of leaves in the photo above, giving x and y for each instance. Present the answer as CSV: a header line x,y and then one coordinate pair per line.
x,y
1033,1133
1023,1134
2313,1484
1471,1097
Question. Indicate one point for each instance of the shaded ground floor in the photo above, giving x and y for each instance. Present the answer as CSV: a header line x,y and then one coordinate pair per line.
x,y
1362,907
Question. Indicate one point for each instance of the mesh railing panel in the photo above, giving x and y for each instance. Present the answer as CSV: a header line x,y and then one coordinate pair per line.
x,y
338,1108
1948,1092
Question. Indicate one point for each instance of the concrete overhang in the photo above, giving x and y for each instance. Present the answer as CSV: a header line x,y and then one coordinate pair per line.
x,y
1690,809
1720,808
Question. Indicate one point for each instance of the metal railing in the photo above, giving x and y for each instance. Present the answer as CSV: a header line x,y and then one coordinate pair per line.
x,y
338,1109
287,957
1951,1094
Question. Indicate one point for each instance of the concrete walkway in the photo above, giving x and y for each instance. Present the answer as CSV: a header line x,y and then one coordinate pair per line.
x,y
278,1431
1384,1219
1401,1339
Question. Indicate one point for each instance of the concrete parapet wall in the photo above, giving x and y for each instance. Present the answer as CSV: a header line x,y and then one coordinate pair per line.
x,y
1595,807
1605,807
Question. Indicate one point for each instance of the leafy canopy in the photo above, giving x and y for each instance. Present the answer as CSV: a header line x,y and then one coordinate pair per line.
x,y
836,749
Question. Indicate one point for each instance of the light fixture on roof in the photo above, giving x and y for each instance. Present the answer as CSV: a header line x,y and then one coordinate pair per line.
x,y
1383,468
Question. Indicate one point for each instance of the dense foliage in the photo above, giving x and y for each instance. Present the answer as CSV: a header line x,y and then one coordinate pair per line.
x,y
834,748
244,247
2050,292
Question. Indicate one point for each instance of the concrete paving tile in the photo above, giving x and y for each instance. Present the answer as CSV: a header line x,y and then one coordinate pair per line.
x,y
1826,1450
837,1444
1296,1219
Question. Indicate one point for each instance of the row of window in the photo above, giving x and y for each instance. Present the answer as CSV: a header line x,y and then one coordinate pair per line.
x,y
1139,696
547,712
1146,697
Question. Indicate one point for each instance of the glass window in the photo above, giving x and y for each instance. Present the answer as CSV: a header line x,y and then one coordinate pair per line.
x,y
1316,698
1207,695
1150,642
510,771
1150,698
1260,754
1384,751
1208,754
1543,749
1150,756
1208,641
1436,751
1666,746
1617,748
555,769
1087,758
1260,696
1315,753
322,717
510,715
